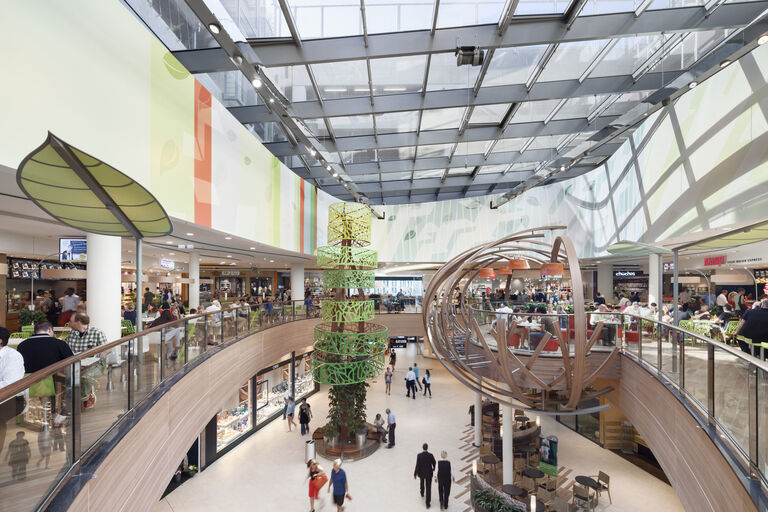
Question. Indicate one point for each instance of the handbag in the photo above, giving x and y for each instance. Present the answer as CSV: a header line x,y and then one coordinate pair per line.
x,y
321,480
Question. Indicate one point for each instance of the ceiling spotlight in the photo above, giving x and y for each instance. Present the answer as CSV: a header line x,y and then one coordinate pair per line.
x,y
562,167
762,39
237,59
469,55
328,167
271,100
312,151
724,63
214,28
190,234
693,84
227,238
256,82
334,174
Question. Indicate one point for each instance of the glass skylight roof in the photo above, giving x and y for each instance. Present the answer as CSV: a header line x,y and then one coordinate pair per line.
x,y
370,76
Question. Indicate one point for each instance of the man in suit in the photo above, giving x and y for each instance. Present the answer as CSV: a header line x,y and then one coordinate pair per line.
x,y
425,468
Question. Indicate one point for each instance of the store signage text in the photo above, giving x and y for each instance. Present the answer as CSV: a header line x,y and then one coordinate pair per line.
x,y
714,261
230,272
627,273
167,264
669,266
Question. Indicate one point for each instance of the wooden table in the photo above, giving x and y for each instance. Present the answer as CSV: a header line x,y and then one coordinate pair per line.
x,y
491,460
534,474
587,481
514,491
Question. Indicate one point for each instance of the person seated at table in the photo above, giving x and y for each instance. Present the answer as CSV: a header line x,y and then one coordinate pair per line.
x,y
129,313
172,336
702,314
547,324
151,313
727,315
609,330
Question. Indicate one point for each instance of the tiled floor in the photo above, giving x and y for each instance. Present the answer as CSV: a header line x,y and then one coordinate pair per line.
x,y
267,472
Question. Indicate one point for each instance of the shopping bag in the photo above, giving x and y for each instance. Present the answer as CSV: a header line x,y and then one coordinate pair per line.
x,y
321,480
42,388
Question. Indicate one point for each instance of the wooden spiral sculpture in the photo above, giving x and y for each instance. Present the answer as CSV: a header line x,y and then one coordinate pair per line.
x,y
457,341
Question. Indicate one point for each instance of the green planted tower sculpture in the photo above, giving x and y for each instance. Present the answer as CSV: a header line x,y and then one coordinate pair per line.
x,y
349,350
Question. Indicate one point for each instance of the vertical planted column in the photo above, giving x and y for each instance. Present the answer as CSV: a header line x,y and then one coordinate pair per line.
x,y
349,350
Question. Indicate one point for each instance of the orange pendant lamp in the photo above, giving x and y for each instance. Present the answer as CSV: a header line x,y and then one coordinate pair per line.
x,y
552,269
486,272
518,264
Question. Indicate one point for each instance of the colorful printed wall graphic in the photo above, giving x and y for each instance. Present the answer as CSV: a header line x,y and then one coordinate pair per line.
x,y
700,163
127,100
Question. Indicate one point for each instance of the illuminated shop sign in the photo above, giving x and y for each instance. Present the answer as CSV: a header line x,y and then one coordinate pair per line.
x,y
628,273
669,266
167,264
714,261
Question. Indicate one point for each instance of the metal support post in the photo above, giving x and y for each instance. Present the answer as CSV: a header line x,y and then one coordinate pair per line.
x,y
711,383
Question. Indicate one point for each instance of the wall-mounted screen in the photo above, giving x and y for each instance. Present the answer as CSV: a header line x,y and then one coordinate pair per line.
x,y
72,249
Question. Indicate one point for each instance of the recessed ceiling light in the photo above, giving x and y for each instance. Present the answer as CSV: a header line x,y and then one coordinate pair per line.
x,y
169,242
256,82
233,263
227,238
394,89
271,261
335,89
724,63
229,255
762,39
693,84
253,248
214,28
190,234
223,263
171,254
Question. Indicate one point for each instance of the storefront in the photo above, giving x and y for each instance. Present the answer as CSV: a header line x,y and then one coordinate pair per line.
x,y
628,283
257,402
225,284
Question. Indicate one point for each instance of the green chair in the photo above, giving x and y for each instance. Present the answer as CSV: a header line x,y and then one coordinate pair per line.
x,y
126,327
686,324
748,341
28,329
729,333
19,335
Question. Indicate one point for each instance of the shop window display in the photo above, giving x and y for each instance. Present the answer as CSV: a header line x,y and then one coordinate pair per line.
x,y
271,387
235,420
305,384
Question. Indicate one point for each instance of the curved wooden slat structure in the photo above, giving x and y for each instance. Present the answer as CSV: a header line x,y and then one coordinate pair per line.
x,y
451,331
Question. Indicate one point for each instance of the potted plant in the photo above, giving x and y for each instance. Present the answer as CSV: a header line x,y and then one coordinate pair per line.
x,y
331,435
486,500
29,317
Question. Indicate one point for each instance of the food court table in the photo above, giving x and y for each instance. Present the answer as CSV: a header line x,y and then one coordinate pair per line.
x,y
587,481
514,490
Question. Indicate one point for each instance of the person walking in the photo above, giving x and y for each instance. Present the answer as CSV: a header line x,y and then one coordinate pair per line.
x,y
305,414
392,358
69,303
339,485
410,383
425,468
416,372
44,446
289,410
317,479
388,381
18,456
391,424
427,381
444,478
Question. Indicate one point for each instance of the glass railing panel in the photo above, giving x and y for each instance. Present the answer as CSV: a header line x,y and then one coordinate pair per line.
x,y
194,337
631,337
762,422
650,349
732,395
36,441
228,324
103,392
670,350
172,349
695,369
145,367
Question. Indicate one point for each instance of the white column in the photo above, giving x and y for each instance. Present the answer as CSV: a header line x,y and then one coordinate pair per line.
x,y
194,280
654,294
605,281
507,452
103,284
297,281
478,420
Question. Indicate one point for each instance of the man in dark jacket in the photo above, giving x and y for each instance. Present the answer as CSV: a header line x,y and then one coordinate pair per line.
x,y
43,349
425,468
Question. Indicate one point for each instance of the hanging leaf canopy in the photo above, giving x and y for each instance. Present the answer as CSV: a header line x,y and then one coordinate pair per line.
x,y
86,193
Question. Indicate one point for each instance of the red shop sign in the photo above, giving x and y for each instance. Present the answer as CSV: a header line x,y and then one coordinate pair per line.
x,y
714,261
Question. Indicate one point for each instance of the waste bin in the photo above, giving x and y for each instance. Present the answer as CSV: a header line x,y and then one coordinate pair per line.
x,y
309,450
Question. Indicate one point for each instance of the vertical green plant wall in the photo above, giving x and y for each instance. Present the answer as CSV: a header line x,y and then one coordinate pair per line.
x,y
349,350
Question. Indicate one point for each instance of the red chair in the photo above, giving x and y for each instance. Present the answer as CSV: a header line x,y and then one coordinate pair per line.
x,y
551,345
633,337
514,340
